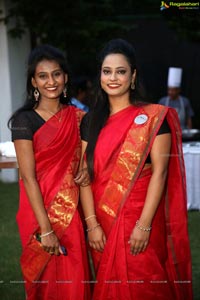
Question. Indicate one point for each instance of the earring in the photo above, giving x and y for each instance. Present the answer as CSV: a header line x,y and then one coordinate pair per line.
x,y
133,85
36,94
65,92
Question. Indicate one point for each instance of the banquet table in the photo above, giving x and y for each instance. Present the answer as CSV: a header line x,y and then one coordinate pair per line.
x,y
191,153
8,162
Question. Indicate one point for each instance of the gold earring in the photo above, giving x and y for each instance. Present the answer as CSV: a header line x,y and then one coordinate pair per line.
x,y
65,92
36,94
133,85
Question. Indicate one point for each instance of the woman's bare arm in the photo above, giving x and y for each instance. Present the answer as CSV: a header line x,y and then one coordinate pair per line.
x,y
86,193
26,161
82,178
96,237
159,158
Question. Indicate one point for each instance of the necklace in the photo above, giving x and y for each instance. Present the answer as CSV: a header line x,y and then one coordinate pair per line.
x,y
59,118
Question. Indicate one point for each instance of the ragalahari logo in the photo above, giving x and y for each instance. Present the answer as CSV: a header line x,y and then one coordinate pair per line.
x,y
164,5
179,5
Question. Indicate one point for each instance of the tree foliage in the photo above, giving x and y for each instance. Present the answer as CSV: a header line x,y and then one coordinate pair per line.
x,y
63,21
82,26
78,26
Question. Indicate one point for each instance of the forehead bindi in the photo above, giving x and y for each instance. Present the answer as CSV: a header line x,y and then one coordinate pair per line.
x,y
115,61
47,66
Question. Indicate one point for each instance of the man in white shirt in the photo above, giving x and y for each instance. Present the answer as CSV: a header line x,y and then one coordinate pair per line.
x,y
175,100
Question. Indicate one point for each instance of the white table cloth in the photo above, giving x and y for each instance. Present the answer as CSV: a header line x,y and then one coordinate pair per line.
x,y
7,149
191,152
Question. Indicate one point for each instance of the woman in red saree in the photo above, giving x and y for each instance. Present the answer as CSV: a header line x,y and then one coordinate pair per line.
x,y
135,209
48,147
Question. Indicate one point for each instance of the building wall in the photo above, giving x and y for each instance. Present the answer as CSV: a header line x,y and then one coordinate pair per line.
x,y
13,56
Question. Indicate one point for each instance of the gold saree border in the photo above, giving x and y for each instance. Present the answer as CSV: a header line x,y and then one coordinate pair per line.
x,y
60,213
127,170
131,159
64,205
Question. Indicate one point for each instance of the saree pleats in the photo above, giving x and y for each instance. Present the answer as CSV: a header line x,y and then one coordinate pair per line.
x,y
163,271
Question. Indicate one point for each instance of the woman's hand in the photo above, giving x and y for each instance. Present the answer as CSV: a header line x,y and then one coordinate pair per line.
x,y
97,239
138,241
50,244
82,177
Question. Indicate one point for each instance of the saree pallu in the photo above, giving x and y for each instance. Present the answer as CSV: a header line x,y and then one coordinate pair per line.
x,y
57,149
163,271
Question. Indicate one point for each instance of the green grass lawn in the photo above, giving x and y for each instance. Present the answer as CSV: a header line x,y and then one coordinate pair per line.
x,y
10,274
10,249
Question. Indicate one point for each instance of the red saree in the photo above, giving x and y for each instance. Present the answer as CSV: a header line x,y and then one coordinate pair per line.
x,y
57,150
163,271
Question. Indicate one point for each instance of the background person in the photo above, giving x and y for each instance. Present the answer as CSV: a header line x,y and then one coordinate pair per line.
x,y
175,100
81,87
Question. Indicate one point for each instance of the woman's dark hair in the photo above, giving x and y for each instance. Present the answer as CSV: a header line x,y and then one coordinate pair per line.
x,y
101,111
42,52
